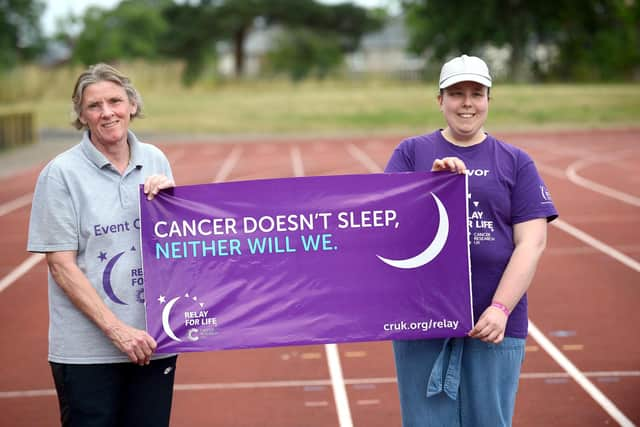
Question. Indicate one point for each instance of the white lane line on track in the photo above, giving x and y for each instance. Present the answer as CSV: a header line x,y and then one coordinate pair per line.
x,y
296,161
597,244
337,383
579,377
16,394
364,159
544,342
368,402
228,164
27,393
572,173
20,270
594,374
333,357
15,204
585,250
251,385
316,403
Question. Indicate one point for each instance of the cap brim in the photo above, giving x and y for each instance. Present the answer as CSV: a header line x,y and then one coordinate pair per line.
x,y
449,81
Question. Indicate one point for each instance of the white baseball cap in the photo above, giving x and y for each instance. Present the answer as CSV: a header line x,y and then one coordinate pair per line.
x,y
465,68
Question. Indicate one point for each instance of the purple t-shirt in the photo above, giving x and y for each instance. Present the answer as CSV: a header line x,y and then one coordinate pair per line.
x,y
504,189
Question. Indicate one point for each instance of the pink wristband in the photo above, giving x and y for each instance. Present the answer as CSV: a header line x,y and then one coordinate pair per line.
x,y
501,306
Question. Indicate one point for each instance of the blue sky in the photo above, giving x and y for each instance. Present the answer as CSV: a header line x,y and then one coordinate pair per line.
x,y
61,8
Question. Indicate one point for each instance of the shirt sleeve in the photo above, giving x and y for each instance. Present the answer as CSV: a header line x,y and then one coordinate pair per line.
x,y
167,166
160,163
53,225
401,160
530,198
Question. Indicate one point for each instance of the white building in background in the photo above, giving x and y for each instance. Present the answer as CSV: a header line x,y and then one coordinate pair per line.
x,y
383,53
257,44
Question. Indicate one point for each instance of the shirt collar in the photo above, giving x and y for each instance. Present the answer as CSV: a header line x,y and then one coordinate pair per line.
x,y
100,160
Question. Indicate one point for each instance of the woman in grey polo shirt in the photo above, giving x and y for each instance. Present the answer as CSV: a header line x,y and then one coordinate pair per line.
x,y
84,217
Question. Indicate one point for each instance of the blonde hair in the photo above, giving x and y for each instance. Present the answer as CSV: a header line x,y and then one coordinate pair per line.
x,y
98,73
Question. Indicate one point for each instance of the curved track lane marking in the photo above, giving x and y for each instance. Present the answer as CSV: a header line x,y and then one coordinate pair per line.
x,y
572,174
538,336
333,357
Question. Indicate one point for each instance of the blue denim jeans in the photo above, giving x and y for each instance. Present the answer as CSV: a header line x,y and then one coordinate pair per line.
x,y
458,382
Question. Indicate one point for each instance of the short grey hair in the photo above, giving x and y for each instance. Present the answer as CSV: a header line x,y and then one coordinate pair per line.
x,y
99,73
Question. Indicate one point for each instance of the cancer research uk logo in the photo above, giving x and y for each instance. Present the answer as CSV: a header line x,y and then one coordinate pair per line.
x,y
190,312
545,195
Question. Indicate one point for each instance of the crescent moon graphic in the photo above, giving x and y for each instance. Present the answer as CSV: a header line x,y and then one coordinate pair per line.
x,y
432,250
165,319
106,280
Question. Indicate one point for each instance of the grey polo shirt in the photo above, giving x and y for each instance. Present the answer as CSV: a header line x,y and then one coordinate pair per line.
x,y
82,203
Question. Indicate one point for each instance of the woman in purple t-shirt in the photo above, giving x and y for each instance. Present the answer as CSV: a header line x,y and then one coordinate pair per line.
x,y
473,381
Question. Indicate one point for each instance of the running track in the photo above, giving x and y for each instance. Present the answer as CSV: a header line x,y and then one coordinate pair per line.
x,y
582,364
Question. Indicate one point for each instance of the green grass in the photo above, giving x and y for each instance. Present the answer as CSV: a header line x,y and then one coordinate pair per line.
x,y
329,107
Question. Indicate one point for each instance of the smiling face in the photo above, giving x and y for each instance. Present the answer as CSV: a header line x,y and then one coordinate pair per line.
x,y
106,110
465,106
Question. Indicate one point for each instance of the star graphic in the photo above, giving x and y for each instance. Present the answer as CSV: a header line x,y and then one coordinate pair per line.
x,y
102,256
161,299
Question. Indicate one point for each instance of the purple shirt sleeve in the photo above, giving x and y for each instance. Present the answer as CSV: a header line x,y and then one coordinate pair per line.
x,y
400,161
530,198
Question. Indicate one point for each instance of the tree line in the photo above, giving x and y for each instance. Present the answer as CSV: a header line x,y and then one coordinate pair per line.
x,y
561,40
590,40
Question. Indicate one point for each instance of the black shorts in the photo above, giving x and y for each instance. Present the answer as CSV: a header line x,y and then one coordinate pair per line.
x,y
115,394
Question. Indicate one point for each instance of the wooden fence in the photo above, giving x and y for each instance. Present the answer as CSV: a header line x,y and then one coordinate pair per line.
x,y
17,129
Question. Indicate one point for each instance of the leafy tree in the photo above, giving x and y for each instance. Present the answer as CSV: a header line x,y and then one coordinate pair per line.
x,y
233,20
302,52
600,42
134,29
193,32
190,30
446,28
595,38
20,35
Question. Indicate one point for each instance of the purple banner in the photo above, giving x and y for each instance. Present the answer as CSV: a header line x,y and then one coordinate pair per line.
x,y
307,261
